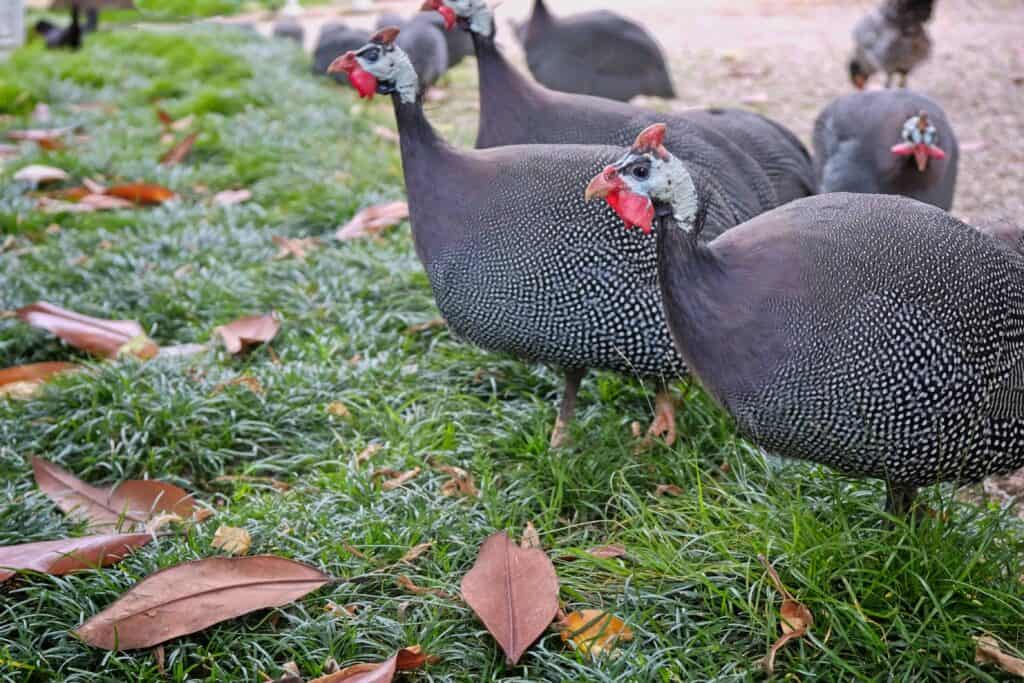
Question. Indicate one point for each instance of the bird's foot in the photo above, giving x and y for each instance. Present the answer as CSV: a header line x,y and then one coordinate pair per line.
x,y
560,434
664,423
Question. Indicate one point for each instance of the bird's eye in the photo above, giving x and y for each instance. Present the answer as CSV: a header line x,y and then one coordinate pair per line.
x,y
371,55
641,172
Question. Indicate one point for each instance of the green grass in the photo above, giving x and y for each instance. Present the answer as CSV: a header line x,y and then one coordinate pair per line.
x,y
891,601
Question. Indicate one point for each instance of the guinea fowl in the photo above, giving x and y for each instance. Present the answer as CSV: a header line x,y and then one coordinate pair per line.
x,y
887,142
69,36
891,39
517,262
459,44
594,53
836,328
424,42
771,169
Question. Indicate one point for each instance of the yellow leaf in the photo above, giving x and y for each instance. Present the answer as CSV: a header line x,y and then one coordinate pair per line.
x,y
338,409
594,632
232,540
531,539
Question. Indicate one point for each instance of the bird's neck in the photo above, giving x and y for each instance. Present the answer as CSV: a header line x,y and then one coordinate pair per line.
x,y
540,15
507,98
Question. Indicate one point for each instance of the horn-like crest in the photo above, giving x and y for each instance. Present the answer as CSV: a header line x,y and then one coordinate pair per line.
x,y
651,140
385,36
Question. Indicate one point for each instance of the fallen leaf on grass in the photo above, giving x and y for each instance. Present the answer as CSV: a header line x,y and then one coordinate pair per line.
x,y
988,651
296,247
368,452
406,659
232,539
141,193
68,554
175,155
46,138
530,539
593,631
796,618
396,479
130,503
405,583
338,409
243,333
37,174
107,338
416,551
428,325
514,592
460,484
231,197
24,381
192,596
248,381
667,490
372,220
605,552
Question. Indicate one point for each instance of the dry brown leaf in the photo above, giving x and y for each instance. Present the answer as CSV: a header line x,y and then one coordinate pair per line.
x,y
368,452
68,554
141,193
24,381
338,409
796,619
667,490
231,197
594,632
416,551
107,338
424,326
385,133
195,595
164,118
159,521
407,584
245,479
130,503
248,381
461,482
243,333
373,220
341,610
232,539
406,659
514,591
398,479
605,552
47,138
989,651
530,539
175,155
295,247
37,174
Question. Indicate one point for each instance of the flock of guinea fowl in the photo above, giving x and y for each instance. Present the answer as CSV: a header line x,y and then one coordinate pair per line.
x,y
830,304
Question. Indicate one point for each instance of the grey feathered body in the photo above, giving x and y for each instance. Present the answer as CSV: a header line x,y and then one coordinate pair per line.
x,y
595,53
874,334
520,264
884,44
853,137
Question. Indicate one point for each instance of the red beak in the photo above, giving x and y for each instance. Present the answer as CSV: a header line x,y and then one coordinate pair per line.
x,y
362,80
447,12
921,153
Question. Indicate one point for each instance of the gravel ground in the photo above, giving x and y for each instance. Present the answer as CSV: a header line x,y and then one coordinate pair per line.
x,y
786,59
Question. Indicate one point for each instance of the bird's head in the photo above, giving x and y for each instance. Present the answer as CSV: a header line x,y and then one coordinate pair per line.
x,y
919,139
648,182
471,15
858,74
380,66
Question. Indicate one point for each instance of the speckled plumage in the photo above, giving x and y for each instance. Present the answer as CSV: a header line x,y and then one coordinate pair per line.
x,y
874,334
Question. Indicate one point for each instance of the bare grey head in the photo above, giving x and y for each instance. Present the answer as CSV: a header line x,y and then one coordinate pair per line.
x,y
380,66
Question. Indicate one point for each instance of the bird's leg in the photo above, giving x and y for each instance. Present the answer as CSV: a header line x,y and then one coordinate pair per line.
x,y
664,423
899,499
567,409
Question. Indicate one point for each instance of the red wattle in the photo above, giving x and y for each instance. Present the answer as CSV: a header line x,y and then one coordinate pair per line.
x,y
363,81
634,209
449,16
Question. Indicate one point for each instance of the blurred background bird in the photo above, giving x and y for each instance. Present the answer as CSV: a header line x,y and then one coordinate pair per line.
x,y
892,40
